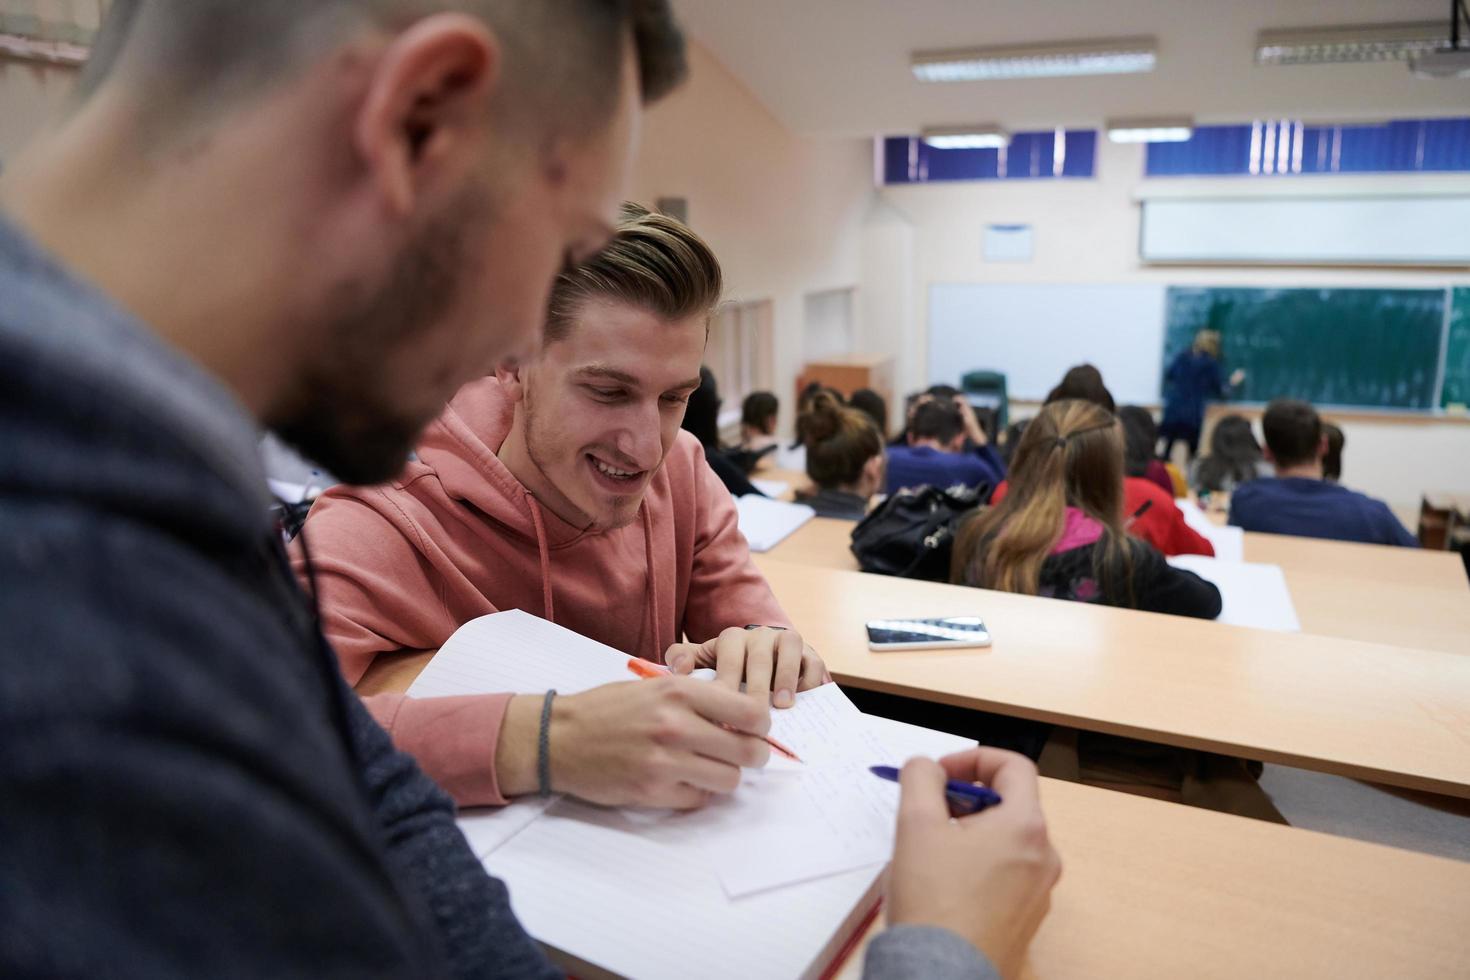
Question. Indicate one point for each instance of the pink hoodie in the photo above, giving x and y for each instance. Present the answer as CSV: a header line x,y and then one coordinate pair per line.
x,y
401,566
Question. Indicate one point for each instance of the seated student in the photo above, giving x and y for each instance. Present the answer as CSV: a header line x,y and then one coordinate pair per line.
x,y
1140,435
702,420
1060,531
1085,382
758,414
1149,511
1332,462
1060,534
1298,500
869,402
844,458
564,487
1234,458
935,454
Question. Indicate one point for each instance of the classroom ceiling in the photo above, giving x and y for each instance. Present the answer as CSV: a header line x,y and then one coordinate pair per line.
x,y
841,67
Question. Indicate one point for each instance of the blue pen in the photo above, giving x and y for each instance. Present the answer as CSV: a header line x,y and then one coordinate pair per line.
x,y
964,798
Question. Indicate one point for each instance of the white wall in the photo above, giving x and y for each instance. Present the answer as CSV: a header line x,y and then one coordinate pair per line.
x,y
1086,231
784,215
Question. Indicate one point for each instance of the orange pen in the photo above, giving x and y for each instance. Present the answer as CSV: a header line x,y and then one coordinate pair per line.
x,y
646,670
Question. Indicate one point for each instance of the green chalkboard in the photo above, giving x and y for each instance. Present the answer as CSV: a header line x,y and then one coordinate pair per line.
x,y
1374,348
1457,351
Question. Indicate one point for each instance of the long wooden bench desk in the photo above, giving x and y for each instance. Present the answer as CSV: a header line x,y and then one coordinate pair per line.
x,y
1155,890
1398,596
1385,714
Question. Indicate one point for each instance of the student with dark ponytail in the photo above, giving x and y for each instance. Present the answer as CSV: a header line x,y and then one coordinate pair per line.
x,y
1060,531
844,457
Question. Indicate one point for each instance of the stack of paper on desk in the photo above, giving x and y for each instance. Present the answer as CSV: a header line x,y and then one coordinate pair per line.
x,y
765,882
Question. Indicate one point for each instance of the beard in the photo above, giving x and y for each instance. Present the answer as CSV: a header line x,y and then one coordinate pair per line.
x,y
343,414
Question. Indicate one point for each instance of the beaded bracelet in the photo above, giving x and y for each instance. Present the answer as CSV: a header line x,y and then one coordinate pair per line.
x,y
543,747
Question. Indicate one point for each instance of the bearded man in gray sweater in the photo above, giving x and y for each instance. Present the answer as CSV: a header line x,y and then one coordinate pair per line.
x,y
319,218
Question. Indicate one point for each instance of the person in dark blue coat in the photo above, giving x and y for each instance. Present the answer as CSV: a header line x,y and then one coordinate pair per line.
x,y
1194,377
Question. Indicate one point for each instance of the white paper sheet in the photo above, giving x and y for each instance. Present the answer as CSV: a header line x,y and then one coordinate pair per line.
x,y
765,522
632,893
775,489
596,884
784,824
1228,542
1252,594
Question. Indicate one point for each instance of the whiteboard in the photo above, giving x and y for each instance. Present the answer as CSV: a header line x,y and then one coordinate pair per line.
x,y
1315,230
1035,332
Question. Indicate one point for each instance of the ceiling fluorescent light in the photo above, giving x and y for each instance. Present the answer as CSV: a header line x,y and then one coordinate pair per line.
x,y
31,49
966,137
1150,130
1366,43
1442,64
1116,57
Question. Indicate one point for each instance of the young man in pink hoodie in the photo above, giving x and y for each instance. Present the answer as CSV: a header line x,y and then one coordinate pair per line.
x,y
566,488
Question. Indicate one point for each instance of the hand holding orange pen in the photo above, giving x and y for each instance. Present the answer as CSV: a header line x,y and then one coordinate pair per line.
x,y
647,670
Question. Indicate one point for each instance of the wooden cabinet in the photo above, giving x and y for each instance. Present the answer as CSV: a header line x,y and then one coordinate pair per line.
x,y
850,373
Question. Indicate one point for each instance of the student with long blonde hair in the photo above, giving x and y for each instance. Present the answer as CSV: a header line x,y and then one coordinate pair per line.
x,y
1060,531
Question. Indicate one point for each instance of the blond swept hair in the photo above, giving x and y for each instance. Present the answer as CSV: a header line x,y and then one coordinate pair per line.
x,y
653,262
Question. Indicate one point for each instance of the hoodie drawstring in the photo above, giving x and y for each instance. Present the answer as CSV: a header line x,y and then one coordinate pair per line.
x,y
651,587
651,606
543,550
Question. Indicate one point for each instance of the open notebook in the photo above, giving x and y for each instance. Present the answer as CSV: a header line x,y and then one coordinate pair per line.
x,y
766,522
771,881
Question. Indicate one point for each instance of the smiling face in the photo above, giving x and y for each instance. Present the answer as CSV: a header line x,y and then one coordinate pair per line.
x,y
599,409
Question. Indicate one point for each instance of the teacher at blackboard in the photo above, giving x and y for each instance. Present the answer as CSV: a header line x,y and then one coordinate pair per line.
x,y
1193,378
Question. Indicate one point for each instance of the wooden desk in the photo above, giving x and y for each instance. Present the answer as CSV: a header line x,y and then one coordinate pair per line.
x,y
1154,890
1398,596
1384,714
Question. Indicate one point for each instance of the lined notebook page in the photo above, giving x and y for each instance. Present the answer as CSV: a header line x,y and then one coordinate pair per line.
x,y
587,881
765,522
1252,595
518,653
831,816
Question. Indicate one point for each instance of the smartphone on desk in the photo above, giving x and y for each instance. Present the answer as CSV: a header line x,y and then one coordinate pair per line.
x,y
927,634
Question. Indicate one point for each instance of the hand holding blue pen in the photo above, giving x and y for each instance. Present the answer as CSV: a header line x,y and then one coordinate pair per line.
x,y
963,798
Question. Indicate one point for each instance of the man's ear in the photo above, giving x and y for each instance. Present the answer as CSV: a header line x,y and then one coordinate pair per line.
x,y
1322,447
1267,455
422,120
512,375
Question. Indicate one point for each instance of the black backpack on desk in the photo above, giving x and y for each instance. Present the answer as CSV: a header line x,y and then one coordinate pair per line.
x,y
911,534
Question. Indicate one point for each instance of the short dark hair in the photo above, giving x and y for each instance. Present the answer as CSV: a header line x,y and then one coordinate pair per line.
x,y
1084,383
871,403
758,409
937,420
561,57
1293,431
1332,462
1140,438
702,413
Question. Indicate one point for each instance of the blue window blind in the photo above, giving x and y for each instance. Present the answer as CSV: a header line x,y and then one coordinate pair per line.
x,y
1274,147
1030,156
